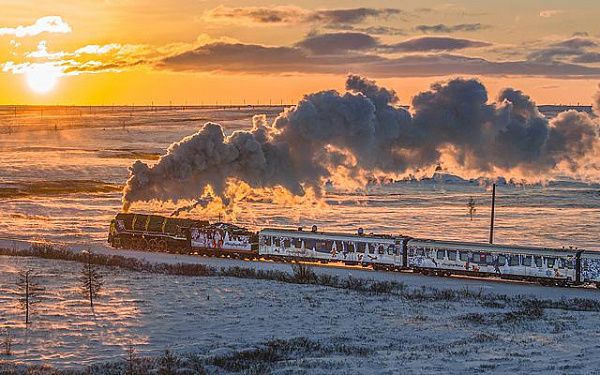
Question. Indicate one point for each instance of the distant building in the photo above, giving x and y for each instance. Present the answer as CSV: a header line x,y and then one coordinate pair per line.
x,y
551,111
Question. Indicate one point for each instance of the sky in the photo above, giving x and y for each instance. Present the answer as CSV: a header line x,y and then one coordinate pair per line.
x,y
206,52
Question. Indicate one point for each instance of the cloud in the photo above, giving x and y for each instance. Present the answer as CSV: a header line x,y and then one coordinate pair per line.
x,y
259,59
288,15
48,24
587,58
550,13
371,30
95,49
447,29
112,57
346,42
575,50
351,16
329,53
435,44
332,43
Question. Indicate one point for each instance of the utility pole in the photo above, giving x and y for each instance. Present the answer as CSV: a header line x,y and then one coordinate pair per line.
x,y
492,217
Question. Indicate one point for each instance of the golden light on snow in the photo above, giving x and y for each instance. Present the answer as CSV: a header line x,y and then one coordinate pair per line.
x,y
41,78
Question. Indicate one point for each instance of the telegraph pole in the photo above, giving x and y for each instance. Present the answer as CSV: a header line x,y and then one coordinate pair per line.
x,y
492,218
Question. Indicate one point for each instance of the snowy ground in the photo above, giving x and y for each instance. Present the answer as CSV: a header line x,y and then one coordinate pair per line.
x,y
215,315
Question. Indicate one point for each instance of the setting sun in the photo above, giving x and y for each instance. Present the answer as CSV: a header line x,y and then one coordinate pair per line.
x,y
41,78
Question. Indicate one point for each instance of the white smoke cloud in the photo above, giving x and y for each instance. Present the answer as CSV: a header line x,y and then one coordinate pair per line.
x,y
364,130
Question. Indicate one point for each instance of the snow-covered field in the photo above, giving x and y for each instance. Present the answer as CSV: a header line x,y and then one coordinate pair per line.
x,y
212,316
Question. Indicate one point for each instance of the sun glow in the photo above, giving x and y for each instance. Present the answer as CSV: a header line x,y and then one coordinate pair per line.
x,y
41,78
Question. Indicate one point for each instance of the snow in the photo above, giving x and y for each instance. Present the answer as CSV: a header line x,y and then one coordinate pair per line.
x,y
212,315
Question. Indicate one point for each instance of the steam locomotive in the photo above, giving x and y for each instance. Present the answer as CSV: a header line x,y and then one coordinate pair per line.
x,y
559,267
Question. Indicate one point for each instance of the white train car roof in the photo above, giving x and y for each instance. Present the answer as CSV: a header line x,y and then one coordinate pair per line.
x,y
591,254
327,235
484,247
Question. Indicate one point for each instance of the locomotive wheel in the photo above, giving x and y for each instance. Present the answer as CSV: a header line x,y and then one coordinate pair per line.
x,y
126,243
141,244
152,245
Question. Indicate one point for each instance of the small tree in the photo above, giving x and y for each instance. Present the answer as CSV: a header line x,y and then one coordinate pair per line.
x,y
91,280
131,361
29,291
471,206
7,343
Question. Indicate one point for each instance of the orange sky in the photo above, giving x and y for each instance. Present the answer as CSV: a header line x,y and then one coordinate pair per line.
x,y
124,52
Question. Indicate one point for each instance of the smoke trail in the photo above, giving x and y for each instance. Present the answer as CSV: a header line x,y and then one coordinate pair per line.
x,y
363,131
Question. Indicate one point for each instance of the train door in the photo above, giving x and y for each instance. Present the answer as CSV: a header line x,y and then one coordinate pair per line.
x,y
399,253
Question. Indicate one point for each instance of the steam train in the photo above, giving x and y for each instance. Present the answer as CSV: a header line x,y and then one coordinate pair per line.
x,y
559,267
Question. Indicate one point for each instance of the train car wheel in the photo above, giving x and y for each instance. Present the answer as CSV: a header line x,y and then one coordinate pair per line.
x,y
152,244
161,246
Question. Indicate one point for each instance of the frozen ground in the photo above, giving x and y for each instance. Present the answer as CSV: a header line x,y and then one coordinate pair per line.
x,y
213,316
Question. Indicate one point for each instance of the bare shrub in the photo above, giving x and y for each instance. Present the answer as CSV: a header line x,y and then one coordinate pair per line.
x,y
303,274
169,363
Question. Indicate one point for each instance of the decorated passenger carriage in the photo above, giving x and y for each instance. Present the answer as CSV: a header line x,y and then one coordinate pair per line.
x,y
562,266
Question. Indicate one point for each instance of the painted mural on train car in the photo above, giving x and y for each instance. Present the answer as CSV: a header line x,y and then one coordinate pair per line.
x,y
216,238
436,256
590,268
338,248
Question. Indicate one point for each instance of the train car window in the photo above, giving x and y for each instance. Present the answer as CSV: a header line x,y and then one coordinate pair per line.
x,y
489,259
361,247
371,248
527,261
310,244
464,256
391,250
561,263
380,249
451,255
550,262
440,254
501,260
421,252
277,241
476,258
350,247
569,263
411,252
287,242
269,241
513,261
322,246
298,242
538,261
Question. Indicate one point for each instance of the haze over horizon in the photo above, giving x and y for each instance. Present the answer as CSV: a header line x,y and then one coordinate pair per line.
x,y
128,52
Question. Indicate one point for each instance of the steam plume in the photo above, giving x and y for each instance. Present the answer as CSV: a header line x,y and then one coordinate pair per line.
x,y
364,130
